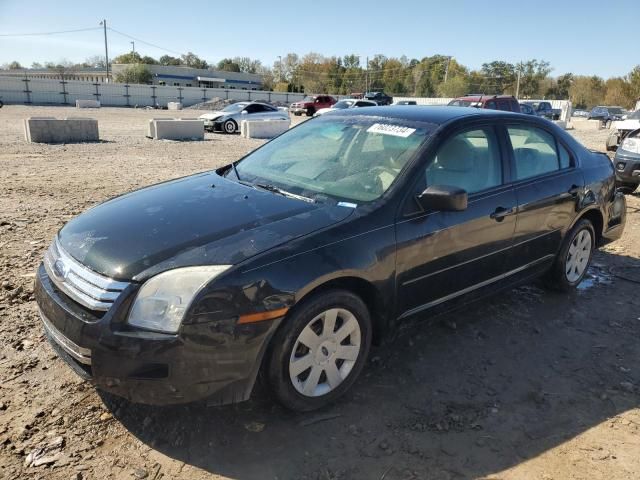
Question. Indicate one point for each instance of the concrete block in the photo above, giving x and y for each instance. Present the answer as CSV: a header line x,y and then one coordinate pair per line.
x,y
87,104
170,129
151,127
263,128
68,130
174,106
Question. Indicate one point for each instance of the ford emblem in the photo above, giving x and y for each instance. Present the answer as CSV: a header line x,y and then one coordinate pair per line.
x,y
60,269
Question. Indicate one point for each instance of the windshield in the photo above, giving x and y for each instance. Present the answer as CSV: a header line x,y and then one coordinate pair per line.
x,y
343,104
353,158
616,110
634,115
308,99
235,107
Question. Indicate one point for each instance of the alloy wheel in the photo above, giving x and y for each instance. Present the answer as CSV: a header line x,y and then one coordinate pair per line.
x,y
578,255
325,352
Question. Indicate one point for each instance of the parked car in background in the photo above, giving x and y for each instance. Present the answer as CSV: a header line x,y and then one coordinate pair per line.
x,y
405,102
622,128
380,98
580,113
627,162
507,103
606,115
311,104
527,109
544,109
346,103
292,260
228,119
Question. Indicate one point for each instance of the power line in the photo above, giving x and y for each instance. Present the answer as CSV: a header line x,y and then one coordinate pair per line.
x,y
47,33
142,41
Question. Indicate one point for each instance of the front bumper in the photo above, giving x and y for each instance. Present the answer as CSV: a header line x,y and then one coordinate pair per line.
x,y
627,167
297,110
216,361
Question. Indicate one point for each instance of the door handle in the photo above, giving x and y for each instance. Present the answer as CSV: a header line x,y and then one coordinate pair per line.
x,y
501,212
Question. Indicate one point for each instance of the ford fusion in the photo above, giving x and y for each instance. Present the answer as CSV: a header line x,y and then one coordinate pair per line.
x,y
293,260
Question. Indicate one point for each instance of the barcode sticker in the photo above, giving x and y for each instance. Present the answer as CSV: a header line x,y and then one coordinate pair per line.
x,y
387,129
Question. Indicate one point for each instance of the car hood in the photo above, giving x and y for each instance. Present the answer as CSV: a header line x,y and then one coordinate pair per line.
x,y
203,219
212,115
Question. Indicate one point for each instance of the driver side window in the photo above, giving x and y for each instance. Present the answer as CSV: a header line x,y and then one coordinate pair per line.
x,y
469,160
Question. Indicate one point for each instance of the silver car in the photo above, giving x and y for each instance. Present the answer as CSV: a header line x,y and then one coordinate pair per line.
x,y
228,119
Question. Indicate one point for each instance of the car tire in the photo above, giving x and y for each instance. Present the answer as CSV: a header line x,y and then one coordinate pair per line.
x,y
307,386
310,111
627,188
230,126
573,259
297,114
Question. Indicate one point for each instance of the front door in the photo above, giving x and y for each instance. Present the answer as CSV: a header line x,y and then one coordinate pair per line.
x,y
444,255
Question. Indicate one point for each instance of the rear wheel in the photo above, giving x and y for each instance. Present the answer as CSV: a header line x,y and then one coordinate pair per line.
x,y
572,262
320,350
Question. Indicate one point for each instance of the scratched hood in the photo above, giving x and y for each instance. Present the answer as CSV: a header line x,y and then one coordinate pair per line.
x,y
204,219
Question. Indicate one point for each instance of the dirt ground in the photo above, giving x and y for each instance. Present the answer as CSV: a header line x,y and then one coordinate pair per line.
x,y
527,385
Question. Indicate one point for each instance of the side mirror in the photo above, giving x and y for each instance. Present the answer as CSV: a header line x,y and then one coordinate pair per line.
x,y
443,198
243,112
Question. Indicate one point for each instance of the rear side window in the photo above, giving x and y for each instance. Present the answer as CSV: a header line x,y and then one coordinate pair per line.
x,y
469,160
535,152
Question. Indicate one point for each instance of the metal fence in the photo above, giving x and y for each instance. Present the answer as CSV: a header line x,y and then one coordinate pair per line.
x,y
39,91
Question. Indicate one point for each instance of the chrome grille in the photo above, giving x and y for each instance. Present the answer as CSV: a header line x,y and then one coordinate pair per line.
x,y
85,286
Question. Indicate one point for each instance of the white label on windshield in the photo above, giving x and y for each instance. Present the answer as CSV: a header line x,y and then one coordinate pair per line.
x,y
395,130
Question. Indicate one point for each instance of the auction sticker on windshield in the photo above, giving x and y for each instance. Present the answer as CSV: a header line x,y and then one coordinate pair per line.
x,y
387,129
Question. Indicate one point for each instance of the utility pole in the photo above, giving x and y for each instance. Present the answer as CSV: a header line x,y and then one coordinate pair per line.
x,y
133,47
280,68
518,84
446,69
106,50
366,84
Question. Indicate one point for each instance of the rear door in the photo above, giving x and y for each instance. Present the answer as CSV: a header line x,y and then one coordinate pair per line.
x,y
547,185
444,255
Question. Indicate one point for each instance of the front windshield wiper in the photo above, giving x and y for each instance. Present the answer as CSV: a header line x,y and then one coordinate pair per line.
x,y
274,189
235,170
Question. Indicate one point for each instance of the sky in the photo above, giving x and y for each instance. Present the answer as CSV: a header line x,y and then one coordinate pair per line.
x,y
578,36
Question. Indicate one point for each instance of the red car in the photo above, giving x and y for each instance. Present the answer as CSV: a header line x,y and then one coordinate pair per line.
x,y
507,103
311,104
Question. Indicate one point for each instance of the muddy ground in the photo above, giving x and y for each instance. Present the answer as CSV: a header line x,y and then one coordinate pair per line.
x,y
527,385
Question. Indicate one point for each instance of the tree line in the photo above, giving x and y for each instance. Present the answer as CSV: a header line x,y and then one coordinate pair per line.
x,y
433,76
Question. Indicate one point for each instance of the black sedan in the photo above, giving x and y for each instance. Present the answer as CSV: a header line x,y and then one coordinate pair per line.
x,y
293,260
627,162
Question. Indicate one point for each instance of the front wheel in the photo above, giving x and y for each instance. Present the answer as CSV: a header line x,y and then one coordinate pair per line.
x,y
320,350
230,126
310,111
572,262
627,188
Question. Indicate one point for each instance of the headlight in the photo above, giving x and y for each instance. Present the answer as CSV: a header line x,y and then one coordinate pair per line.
x,y
631,145
163,300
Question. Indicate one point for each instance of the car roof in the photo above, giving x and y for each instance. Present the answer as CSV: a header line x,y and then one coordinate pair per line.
x,y
424,113
483,97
